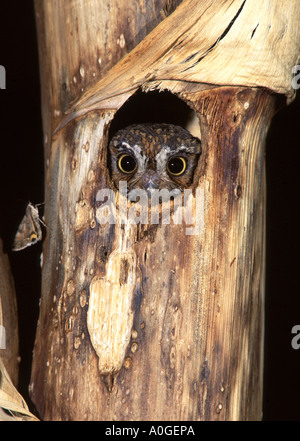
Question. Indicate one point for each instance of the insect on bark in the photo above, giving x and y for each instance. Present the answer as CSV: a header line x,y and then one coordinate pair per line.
x,y
29,231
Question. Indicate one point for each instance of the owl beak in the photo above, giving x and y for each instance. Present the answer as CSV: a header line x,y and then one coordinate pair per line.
x,y
150,181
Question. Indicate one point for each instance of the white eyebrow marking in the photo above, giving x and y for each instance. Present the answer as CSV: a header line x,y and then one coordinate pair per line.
x,y
137,152
135,149
161,157
167,150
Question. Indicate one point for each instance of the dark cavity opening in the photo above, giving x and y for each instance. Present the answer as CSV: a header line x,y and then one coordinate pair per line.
x,y
155,107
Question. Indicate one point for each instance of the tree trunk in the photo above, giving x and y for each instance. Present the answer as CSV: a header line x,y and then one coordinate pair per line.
x,y
9,339
149,322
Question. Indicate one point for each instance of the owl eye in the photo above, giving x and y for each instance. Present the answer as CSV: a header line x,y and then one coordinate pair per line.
x,y
127,164
176,166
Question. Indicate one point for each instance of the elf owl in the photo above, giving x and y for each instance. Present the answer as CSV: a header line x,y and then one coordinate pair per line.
x,y
153,156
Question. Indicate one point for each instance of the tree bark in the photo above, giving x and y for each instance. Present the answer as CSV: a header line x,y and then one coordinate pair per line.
x,y
9,339
150,322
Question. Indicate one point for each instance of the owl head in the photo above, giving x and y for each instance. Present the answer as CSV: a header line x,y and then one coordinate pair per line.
x,y
153,156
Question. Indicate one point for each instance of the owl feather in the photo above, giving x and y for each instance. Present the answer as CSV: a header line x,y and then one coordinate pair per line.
x,y
153,156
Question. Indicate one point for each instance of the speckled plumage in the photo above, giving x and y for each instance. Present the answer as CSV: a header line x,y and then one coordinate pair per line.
x,y
152,146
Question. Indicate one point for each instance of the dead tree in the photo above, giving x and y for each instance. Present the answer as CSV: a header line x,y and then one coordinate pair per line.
x,y
9,340
149,322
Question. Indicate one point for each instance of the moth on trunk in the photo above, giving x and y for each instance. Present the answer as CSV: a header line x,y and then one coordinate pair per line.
x,y
29,231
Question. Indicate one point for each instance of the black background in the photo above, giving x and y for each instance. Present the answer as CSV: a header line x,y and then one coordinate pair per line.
x,y
21,175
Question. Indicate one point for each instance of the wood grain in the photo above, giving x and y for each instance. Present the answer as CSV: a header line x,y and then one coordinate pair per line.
x,y
8,319
189,345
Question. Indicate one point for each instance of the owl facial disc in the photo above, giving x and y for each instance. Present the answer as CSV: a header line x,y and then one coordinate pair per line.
x,y
153,157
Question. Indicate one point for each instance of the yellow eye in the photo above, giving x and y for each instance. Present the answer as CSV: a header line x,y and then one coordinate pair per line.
x,y
127,164
176,166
